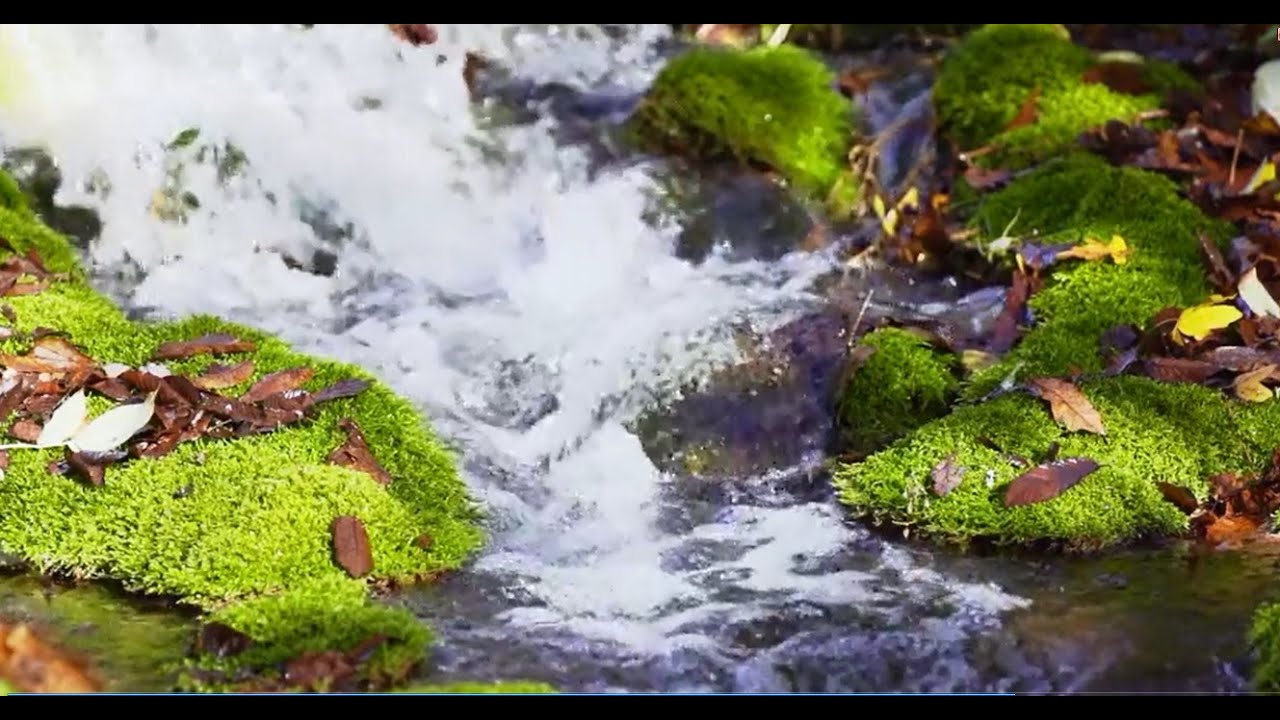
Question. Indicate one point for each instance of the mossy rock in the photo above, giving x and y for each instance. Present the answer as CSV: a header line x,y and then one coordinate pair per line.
x,y
218,521
773,106
1175,433
1264,638
901,386
986,79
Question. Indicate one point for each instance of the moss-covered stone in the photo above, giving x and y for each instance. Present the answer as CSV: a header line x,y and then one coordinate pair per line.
x,y
217,521
902,385
480,688
776,106
1067,200
1080,196
986,80
1264,637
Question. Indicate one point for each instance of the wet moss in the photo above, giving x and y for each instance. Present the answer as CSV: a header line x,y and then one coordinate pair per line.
x,y
1264,638
775,106
986,80
902,385
249,518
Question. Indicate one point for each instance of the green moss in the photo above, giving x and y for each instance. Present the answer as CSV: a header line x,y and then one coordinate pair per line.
x,y
904,384
11,195
222,520
855,37
1155,432
776,106
1081,196
5,688
327,614
991,74
477,688
1264,637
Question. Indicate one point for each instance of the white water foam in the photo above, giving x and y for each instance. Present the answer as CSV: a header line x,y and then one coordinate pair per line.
x,y
546,266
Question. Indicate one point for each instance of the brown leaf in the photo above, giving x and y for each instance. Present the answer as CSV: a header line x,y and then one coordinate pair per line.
x,y
1179,370
947,475
355,454
424,541
278,382
218,376
351,546
1047,481
87,467
1223,279
50,354
32,665
1122,77
25,430
1183,498
1004,332
212,344
221,641
1070,407
981,179
32,288
318,670
341,389
1027,114
114,388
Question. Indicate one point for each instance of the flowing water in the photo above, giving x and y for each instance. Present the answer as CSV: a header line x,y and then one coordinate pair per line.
x,y
522,284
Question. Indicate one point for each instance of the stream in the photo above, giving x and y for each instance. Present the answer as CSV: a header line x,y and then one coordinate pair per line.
x,y
538,295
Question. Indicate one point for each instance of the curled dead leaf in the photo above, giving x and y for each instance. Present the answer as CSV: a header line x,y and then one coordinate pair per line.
x,y
1069,406
356,454
211,344
278,382
218,376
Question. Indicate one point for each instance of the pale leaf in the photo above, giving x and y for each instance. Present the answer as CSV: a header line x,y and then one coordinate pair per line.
x,y
113,427
1255,294
65,421
1199,321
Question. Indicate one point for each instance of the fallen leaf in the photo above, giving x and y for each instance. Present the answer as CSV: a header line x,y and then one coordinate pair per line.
x,y
217,377
87,467
974,360
211,344
356,454
947,475
341,389
1179,370
113,427
1027,113
1256,296
318,670
415,34
351,546
1200,321
1070,407
424,541
25,430
1004,332
1183,498
50,354
1093,249
1047,481
1248,385
65,422
278,382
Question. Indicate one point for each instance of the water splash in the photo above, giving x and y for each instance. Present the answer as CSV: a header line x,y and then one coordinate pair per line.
x,y
488,272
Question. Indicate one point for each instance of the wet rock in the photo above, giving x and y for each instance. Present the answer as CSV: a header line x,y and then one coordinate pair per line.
x,y
744,216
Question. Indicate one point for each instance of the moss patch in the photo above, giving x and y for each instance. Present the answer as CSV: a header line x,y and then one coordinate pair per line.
x,y
1081,196
904,384
776,106
221,520
1264,637
480,688
991,74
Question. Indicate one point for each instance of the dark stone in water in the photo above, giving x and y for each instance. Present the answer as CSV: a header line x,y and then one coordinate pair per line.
x,y
746,215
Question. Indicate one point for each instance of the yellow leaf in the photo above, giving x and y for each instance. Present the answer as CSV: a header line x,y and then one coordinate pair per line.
x,y
910,200
1199,321
877,204
1094,249
1266,173
975,360
1249,387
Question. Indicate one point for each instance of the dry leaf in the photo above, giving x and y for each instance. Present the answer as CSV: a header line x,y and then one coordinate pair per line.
x,y
217,377
1248,385
51,354
1256,296
212,344
1179,496
113,427
351,546
278,382
1070,407
947,475
65,422
1047,481
1028,113
1093,249
356,454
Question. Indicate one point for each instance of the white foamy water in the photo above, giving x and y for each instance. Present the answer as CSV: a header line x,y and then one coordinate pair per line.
x,y
475,251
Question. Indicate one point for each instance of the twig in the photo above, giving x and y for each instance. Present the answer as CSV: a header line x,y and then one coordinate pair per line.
x,y
779,35
853,329
1235,158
